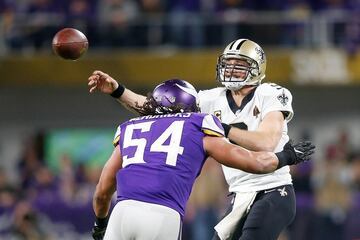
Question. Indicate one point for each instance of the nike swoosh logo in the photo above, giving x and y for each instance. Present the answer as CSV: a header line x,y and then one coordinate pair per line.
x,y
297,151
267,191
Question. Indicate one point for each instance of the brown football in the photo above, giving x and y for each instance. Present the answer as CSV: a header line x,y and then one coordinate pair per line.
x,y
70,43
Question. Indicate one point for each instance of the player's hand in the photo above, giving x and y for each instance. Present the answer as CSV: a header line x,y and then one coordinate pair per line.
x,y
100,81
98,232
301,151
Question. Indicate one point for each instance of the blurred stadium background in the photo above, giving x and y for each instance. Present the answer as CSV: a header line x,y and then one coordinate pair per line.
x,y
55,136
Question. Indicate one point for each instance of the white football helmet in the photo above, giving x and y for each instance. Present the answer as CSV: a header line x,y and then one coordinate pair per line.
x,y
234,75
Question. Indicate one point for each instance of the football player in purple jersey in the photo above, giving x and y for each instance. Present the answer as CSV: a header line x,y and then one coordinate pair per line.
x,y
157,158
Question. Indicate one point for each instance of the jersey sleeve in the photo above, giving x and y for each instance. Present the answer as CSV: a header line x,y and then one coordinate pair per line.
x,y
211,126
117,136
277,98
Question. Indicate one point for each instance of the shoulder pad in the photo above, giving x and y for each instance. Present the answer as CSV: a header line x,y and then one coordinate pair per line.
x,y
211,125
211,93
268,89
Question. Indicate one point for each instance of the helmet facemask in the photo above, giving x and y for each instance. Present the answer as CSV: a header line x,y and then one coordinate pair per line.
x,y
236,75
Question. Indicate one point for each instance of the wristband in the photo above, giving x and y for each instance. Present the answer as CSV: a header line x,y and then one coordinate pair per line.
x,y
101,222
284,159
118,92
226,129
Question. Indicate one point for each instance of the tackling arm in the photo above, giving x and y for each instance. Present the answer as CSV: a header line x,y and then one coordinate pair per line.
x,y
100,81
237,157
265,138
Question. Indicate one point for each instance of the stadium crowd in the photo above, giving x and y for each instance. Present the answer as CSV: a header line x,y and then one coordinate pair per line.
x,y
29,24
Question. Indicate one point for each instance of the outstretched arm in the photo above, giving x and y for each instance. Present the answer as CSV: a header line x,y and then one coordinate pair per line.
x,y
103,82
256,162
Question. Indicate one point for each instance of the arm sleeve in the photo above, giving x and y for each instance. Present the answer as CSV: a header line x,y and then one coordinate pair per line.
x,y
211,126
278,100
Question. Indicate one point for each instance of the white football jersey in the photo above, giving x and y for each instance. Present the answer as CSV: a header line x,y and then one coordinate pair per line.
x,y
266,98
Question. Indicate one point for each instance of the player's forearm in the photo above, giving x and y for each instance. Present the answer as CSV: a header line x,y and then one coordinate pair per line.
x,y
261,162
267,162
101,203
104,191
249,161
238,157
253,140
131,100
255,162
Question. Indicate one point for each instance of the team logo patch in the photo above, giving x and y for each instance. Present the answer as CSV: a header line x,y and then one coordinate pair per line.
x,y
217,114
171,99
282,192
261,54
283,98
256,111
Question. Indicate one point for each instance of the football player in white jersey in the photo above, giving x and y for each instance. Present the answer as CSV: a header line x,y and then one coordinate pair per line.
x,y
254,116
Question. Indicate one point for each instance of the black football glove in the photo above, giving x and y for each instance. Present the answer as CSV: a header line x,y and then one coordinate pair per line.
x,y
98,232
295,154
99,228
303,151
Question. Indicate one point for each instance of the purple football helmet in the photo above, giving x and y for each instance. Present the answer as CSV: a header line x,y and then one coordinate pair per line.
x,y
175,95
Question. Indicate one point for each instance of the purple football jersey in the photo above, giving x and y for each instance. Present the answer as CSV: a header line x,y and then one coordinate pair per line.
x,y
162,156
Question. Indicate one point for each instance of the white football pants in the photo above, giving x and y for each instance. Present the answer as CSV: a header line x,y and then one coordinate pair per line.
x,y
135,220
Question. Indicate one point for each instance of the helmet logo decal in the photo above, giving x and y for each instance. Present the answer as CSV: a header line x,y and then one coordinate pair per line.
x,y
283,98
191,91
261,54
